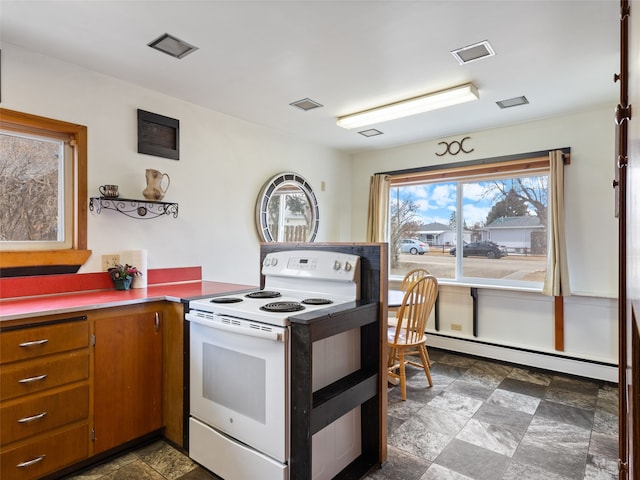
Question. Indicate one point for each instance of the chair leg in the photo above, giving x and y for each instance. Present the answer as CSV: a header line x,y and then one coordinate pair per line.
x,y
428,357
392,353
425,362
403,375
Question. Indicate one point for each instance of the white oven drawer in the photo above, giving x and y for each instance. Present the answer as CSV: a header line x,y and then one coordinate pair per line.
x,y
229,459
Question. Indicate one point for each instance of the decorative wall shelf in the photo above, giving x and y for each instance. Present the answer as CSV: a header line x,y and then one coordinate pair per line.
x,y
141,209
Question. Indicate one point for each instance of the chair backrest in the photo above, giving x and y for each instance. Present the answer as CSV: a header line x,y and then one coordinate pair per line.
x,y
417,304
412,276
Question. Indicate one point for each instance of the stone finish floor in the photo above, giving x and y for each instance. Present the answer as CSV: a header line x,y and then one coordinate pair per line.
x,y
482,420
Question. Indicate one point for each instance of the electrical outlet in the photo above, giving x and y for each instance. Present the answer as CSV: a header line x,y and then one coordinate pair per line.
x,y
109,261
456,326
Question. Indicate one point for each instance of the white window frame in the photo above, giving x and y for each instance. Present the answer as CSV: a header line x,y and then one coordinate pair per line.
x,y
532,164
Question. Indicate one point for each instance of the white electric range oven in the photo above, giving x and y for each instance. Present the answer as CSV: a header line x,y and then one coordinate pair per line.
x,y
239,369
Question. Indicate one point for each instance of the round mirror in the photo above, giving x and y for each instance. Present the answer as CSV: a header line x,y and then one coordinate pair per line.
x,y
287,210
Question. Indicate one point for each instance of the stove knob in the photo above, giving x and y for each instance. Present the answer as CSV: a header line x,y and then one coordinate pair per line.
x,y
274,262
348,266
267,262
337,265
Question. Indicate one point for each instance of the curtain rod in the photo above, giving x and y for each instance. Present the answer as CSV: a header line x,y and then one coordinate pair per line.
x,y
519,156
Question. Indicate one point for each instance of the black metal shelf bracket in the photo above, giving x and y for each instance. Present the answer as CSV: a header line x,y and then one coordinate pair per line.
x,y
140,209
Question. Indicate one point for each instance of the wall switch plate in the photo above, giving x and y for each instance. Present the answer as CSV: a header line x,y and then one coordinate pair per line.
x,y
456,326
109,261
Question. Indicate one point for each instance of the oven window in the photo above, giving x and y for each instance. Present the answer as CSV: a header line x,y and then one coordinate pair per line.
x,y
234,380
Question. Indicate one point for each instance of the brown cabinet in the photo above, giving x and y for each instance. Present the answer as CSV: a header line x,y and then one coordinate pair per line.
x,y
45,396
127,373
173,384
75,386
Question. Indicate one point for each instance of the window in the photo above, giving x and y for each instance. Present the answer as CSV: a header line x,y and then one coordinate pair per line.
x,y
484,223
36,191
43,190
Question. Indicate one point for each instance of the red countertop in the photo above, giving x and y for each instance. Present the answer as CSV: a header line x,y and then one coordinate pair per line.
x,y
36,296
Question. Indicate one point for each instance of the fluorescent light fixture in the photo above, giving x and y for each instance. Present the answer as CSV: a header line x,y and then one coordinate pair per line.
x,y
412,106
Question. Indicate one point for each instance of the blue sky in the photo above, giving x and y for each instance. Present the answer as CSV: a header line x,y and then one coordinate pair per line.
x,y
437,201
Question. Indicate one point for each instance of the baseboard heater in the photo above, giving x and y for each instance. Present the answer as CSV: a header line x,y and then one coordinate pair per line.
x,y
550,361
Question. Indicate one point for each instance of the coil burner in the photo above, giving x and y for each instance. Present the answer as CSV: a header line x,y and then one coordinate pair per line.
x,y
225,300
317,301
263,294
282,307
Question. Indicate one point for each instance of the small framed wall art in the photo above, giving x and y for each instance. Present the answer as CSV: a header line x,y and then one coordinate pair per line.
x,y
158,135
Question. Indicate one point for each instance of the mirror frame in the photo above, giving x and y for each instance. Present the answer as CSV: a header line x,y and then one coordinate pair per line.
x,y
267,192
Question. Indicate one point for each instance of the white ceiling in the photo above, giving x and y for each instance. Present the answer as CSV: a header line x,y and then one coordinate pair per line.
x,y
256,57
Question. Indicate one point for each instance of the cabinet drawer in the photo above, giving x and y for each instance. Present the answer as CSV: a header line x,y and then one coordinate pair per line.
x,y
39,374
33,342
45,412
45,455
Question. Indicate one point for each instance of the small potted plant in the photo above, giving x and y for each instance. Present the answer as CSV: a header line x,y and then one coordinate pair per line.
x,y
122,275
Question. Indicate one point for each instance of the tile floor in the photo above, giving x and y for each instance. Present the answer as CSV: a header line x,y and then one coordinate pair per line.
x,y
482,420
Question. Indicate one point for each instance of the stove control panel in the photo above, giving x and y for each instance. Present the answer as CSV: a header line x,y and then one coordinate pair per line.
x,y
311,264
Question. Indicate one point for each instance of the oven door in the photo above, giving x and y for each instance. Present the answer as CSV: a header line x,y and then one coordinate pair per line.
x,y
238,380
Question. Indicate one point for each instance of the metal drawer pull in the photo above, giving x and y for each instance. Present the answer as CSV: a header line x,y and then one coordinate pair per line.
x,y
33,379
32,418
34,342
28,463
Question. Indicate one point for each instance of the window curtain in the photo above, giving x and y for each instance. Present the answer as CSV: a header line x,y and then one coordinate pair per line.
x,y
378,215
556,282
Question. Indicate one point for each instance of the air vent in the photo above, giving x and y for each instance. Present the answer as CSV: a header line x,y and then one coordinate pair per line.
x,y
372,132
305,104
474,52
172,46
513,102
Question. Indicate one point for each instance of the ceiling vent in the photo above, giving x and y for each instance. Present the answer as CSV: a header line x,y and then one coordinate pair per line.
x,y
372,132
305,104
172,46
513,102
474,52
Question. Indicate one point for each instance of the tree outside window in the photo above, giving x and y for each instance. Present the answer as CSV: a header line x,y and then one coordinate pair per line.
x,y
31,189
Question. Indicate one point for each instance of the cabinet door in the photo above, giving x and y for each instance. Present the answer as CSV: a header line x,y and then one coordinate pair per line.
x,y
128,375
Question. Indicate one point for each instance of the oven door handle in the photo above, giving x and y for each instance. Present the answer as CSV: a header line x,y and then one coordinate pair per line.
x,y
275,334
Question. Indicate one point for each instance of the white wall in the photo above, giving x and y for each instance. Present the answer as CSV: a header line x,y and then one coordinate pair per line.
x,y
516,318
225,161
223,164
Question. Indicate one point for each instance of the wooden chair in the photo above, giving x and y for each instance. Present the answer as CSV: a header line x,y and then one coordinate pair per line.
x,y
408,333
412,276
409,278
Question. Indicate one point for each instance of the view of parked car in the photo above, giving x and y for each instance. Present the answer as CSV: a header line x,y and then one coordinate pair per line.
x,y
482,249
414,247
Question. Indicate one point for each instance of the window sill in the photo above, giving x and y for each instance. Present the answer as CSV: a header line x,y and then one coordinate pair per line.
x,y
24,263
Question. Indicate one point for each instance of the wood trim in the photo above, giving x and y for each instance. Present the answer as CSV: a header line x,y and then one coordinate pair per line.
x,y
78,254
173,373
488,166
463,171
43,257
80,182
384,317
558,315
